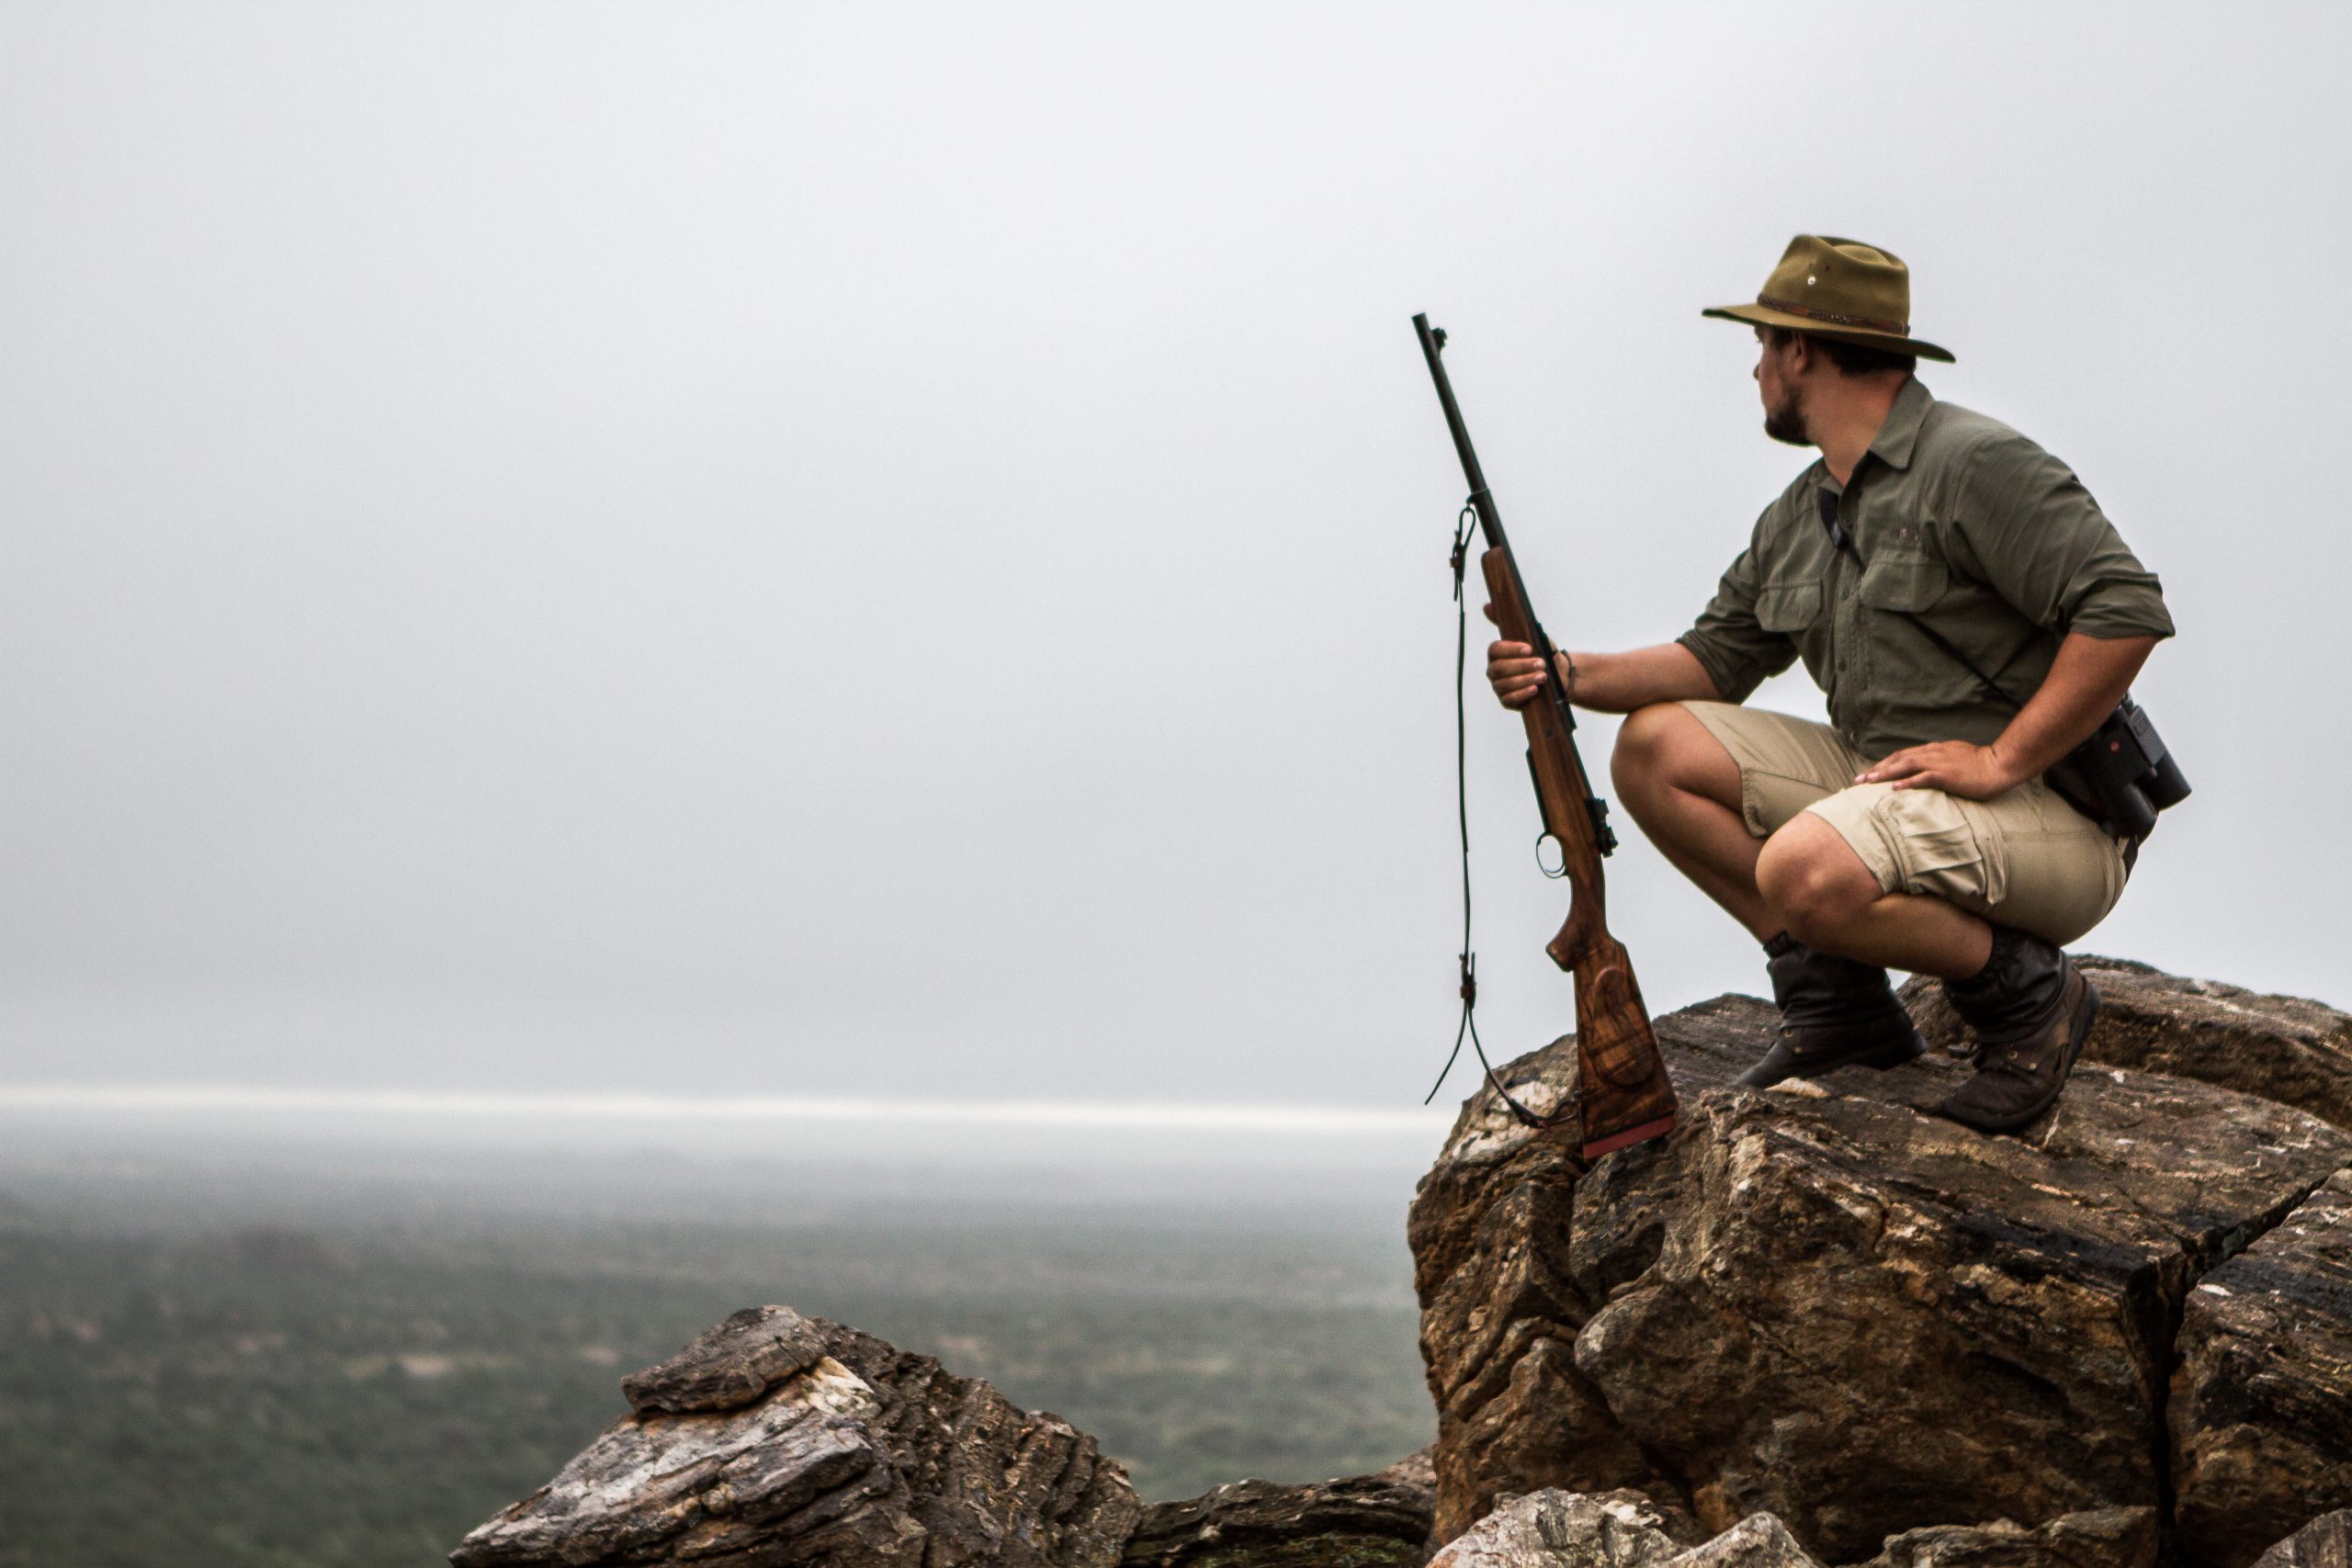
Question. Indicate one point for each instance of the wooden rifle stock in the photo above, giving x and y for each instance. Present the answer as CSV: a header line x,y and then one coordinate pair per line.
x,y
1623,1092
1622,1083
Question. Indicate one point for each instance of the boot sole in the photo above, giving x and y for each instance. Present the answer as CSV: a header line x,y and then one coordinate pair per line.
x,y
2078,1034
1891,1055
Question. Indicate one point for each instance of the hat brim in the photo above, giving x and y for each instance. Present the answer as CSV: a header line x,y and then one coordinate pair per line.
x,y
1765,316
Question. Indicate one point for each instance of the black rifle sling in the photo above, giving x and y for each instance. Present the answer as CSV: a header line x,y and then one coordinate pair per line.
x,y
1466,525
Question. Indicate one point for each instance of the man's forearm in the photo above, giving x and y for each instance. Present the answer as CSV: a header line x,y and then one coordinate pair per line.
x,y
2087,679
1620,683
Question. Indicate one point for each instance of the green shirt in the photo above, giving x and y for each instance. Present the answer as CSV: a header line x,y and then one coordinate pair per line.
x,y
1956,519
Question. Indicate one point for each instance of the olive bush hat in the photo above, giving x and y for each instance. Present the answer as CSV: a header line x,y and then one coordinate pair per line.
x,y
1837,289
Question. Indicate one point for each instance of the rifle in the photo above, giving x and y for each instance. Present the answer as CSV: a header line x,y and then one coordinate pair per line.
x,y
1623,1093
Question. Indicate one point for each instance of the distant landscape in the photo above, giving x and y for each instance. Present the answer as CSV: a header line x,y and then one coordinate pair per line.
x,y
209,1357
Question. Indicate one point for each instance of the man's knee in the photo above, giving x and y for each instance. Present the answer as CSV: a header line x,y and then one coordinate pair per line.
x,y
1813,882
1664,747
1644,741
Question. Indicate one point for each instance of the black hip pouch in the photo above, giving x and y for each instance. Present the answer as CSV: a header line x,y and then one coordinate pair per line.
x,y
2124,772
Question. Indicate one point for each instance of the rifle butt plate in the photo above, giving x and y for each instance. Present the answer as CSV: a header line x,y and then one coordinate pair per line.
x,y
1630,1136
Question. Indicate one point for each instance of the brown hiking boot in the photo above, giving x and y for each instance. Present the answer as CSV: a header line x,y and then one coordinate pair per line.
x,y
2031,1009
1835,1012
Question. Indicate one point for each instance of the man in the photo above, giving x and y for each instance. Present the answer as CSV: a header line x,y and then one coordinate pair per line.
x,y
1916,830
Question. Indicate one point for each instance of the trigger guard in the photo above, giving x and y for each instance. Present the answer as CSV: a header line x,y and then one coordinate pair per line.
x,y
1547,836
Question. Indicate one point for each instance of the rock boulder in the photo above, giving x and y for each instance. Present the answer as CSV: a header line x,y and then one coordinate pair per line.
x,y
777,1439
1826,1305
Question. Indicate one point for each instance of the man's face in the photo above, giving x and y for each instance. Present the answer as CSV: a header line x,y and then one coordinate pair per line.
x,y
1777,384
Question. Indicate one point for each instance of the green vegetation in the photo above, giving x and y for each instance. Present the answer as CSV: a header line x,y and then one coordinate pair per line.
x,y
191,1378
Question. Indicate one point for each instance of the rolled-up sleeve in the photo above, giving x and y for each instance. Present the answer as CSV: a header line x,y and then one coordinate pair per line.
x,y
2030,529
1730,644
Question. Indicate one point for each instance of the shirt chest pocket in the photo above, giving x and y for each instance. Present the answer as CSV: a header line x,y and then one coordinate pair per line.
x,y
1904,583
1907,659
1789,608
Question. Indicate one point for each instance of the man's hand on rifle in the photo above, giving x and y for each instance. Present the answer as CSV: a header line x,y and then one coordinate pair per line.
x,y
1605,682
1515,672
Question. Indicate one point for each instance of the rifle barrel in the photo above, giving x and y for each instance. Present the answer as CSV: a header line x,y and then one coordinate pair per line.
x,y
1483,501
1480,498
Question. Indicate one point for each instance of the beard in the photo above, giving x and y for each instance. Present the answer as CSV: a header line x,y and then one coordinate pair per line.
x,y
1786,423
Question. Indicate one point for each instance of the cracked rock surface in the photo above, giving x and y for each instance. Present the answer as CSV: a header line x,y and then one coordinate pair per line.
x,y
2261,1421
1825,1305
777,1439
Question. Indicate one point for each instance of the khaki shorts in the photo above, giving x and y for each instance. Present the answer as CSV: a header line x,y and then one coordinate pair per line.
x,y
2025,859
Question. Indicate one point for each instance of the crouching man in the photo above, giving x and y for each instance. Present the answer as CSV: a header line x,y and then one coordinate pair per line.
x,y
1973,617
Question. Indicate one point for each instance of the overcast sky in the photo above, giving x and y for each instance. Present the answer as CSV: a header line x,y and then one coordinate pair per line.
x,y
826,549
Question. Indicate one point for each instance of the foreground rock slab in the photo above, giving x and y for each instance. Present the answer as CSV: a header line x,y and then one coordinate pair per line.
x,y
1826,1304
2261,1412
1365,1521
777,1439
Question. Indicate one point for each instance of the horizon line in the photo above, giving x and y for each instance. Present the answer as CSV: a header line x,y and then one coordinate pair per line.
x,y
1079,1115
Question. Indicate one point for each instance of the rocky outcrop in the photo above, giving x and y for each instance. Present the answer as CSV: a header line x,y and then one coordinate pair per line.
x,y
1813,1325
2296,1051
1364,1521
1826,1305
778,1439
2325,1543
2261,1412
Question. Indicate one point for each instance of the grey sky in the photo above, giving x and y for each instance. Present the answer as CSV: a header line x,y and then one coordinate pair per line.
x,y
830,549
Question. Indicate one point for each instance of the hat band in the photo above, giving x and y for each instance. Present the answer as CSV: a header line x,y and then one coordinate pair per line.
x,y
1900,329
